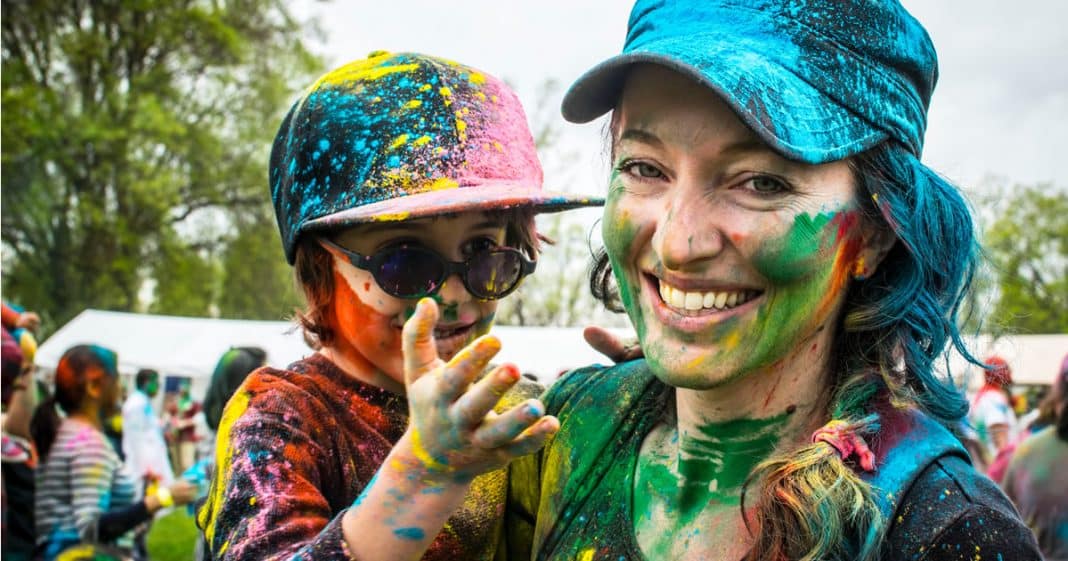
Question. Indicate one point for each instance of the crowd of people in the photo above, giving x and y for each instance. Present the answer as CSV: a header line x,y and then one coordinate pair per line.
x,y
793,272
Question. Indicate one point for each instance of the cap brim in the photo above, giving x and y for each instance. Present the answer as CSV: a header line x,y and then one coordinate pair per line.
x,y
792,116
451,201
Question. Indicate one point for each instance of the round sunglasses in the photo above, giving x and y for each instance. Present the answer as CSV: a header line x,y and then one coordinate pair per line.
x,y
415,271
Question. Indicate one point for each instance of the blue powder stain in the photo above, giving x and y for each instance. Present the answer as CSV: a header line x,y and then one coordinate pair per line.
x,y
324,144
316,154
255,457
410,533
394,161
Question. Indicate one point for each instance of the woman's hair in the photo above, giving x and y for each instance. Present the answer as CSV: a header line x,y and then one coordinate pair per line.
x,y
313,268
79,366
810,503
233,367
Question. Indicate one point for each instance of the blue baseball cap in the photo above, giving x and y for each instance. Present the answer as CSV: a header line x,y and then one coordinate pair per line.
x,y
818,80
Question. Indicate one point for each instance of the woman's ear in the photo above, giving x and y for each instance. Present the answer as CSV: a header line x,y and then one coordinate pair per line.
x,y
95,388
877,243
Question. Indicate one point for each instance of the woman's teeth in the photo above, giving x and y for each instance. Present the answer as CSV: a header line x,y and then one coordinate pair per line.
x,y
691,301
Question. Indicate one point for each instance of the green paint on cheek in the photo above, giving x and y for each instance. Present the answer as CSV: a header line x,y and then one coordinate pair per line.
x,y
787,258
619,232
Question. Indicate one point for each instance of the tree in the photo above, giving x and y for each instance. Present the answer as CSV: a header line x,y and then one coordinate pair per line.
x,y
127,125
1027,246
256,281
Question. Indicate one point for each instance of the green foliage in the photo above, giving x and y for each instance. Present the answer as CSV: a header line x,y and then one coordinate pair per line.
x,y
1027,244
256,281
123,122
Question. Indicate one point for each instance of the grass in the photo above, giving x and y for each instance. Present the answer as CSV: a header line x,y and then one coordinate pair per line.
x,y
172,537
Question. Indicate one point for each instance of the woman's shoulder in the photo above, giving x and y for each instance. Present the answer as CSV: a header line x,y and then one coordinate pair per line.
x,y
614,386
951,511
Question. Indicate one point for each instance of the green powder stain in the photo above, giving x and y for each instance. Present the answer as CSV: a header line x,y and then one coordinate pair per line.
x,y
787,258
708,471
450,312
619,232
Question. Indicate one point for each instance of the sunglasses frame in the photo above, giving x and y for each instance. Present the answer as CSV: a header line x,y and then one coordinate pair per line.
x,y
372,263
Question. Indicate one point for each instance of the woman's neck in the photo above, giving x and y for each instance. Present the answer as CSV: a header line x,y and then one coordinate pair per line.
x,y
88,414
725,431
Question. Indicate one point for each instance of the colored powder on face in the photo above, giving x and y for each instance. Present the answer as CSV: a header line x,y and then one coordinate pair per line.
x,y
810,269
365,336
619,232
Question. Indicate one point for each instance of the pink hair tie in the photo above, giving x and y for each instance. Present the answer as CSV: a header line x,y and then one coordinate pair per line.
x,y
846,442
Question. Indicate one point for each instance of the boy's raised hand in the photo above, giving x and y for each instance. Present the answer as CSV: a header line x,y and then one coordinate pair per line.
x,y
453,428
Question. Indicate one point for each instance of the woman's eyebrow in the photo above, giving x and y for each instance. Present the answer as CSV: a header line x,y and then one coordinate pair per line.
x,y
640,135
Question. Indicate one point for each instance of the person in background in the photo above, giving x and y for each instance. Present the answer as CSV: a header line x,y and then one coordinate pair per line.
x,y
1037,478
992,415
185,431
144,446
143,442
230,372
84,497
18,453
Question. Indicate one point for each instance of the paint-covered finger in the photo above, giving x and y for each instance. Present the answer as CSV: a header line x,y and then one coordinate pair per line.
x,y
532,439
473,406
466,366
508,425
420,351
606,343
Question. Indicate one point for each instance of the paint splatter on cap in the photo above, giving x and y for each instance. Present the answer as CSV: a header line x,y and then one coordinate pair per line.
x,y
401,136
818,80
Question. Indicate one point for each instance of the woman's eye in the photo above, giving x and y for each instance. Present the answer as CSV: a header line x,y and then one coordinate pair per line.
x,y
767,185
642,169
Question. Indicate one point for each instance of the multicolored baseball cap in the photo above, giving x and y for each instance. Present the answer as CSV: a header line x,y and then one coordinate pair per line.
x,y
818,80
402,136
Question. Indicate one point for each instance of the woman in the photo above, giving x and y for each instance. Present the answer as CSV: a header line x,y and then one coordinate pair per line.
x,y
1036,480
792,271
393,178
83,496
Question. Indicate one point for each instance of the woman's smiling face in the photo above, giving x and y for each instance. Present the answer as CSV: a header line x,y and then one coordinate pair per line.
x,y
367,321
729,258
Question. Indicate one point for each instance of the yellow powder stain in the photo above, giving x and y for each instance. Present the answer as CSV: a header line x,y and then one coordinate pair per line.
x,y
495,99
424,88
392,216
443,183
439,150
361,71
399,141
224,458
445,91
252,501
875,197
376,99
586,555
421,141
498,146
461,125
413,104
477,78
481,96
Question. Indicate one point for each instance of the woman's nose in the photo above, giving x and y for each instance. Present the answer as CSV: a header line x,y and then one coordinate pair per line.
x,y
688,231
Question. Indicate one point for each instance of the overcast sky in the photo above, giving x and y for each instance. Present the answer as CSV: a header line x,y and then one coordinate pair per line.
x,y
1000,109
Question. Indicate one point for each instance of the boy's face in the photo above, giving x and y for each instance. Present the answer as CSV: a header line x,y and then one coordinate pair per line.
x,y
367,321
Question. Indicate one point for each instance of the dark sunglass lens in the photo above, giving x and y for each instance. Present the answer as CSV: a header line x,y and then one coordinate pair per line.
x,y
494,273
409,272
